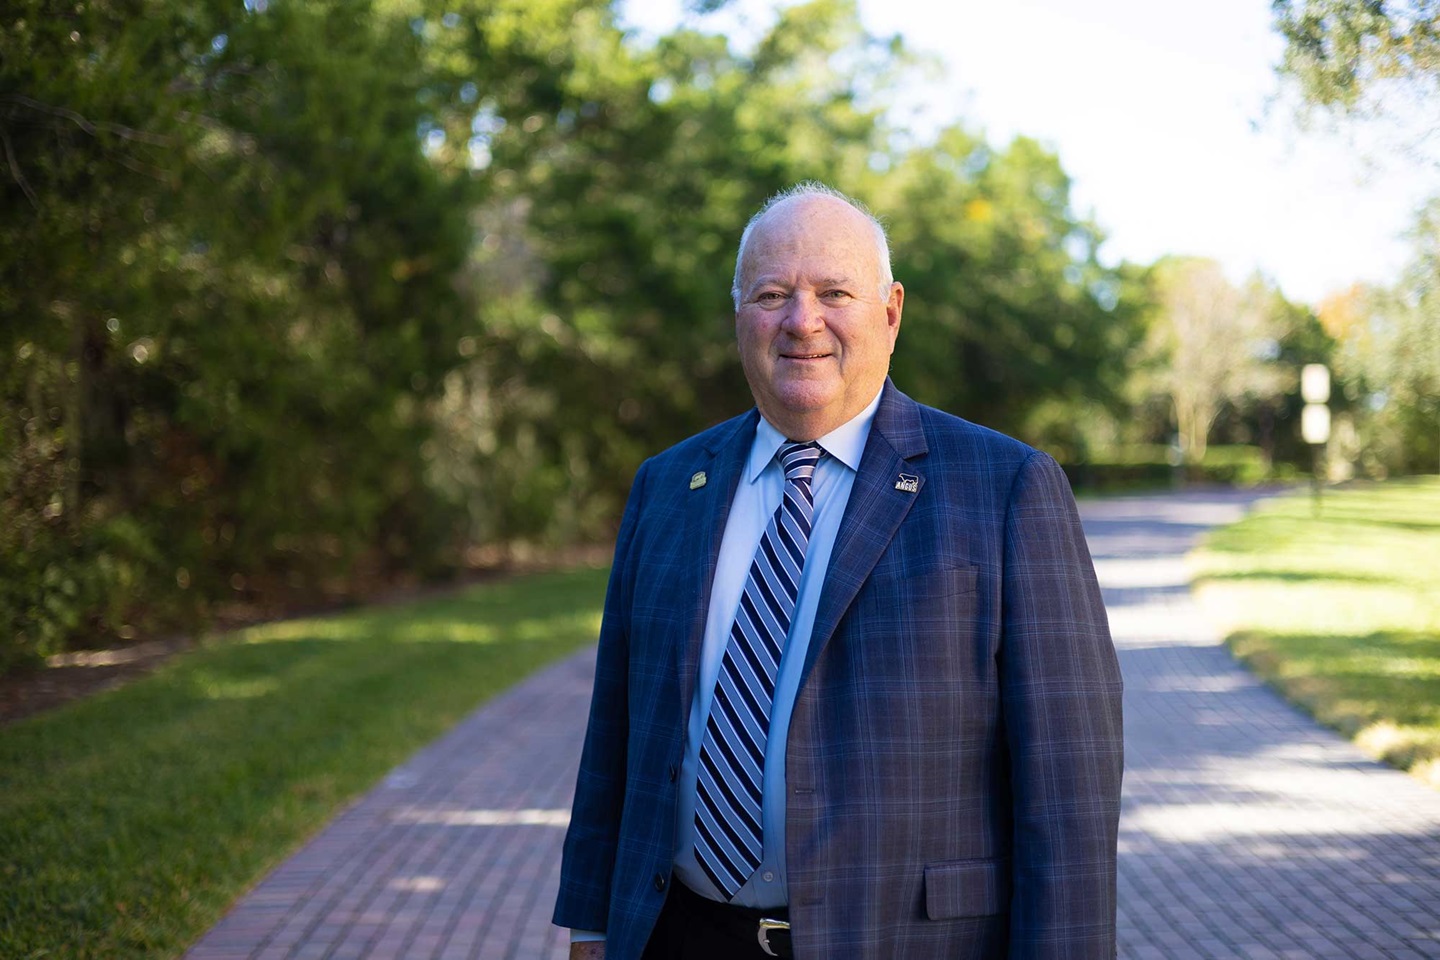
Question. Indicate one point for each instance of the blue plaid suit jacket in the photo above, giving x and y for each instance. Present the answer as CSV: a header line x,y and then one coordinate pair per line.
x,y
954,757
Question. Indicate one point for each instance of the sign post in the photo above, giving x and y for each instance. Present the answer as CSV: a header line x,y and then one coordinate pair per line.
x,y
1315,418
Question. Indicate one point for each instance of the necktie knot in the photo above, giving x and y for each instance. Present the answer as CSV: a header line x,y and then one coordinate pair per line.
x,y
799,460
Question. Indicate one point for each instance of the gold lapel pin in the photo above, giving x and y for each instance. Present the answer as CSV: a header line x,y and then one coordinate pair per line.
x,y
697,480
908,484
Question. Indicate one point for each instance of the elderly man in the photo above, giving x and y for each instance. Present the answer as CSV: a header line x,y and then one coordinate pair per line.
x,y
856,696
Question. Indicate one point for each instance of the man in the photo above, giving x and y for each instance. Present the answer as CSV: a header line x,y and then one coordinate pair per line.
x,y
855,695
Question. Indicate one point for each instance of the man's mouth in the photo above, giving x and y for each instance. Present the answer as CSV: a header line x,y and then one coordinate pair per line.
x,y
804,356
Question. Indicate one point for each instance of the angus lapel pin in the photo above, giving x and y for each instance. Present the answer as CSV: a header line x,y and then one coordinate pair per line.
x,y
697,480
908,484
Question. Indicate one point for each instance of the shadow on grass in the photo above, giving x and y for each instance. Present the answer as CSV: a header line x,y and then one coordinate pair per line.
x,y
1289,576
1386,680
1363,517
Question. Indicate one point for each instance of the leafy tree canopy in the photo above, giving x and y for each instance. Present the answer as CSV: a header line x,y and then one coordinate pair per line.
x,y
1346,54
301,296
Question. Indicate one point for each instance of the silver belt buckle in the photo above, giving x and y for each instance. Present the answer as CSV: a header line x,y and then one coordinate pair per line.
x,y
763,934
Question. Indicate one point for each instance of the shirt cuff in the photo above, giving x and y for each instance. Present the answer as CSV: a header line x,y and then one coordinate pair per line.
x,y
586,936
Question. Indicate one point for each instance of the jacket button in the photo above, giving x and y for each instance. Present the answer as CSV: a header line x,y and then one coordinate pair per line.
x,y
660,882
673,773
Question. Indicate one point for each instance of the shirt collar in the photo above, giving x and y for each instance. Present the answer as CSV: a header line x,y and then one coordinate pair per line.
x,y
845,443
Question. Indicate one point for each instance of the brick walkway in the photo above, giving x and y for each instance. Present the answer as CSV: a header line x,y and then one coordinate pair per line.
x,y
1248,832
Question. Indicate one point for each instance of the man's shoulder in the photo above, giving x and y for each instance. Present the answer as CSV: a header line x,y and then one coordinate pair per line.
x,y
970,461
951,436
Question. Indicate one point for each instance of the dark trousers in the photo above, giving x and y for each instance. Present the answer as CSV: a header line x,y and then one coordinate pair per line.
x,y
692,927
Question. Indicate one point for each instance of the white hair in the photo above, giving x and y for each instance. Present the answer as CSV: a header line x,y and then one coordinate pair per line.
x,y
814,188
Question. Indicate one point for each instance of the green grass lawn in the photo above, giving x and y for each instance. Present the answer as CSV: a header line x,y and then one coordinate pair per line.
x,y
130,821
1341,612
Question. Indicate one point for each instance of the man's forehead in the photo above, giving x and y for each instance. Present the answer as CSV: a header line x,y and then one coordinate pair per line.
x,y
801,276
824,238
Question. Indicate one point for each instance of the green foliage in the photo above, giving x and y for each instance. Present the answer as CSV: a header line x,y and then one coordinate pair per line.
x,y
1222,362
1006,305
1209,344
1412,369
1343,53
302,296
1340,610
131,821
1363,59
1388,361
228,267
618,340
1153,467
1300,340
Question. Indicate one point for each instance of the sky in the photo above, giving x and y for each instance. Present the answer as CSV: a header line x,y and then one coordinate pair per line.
x,y
1163,115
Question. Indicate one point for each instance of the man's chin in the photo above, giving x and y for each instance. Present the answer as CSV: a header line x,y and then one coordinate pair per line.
x,y
805,398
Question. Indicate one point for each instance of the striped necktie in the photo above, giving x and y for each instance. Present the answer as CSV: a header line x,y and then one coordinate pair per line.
x,y
728,833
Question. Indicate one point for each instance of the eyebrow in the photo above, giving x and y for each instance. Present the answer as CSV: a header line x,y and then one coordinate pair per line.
x,y
780,282
760,281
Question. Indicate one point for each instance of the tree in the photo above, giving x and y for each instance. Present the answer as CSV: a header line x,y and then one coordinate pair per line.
x,y
1007,306
1416,346
1346,54
1401,350
298,296
610,237
1387,358
610,242
1369,58
228,253
1209,344
1371,65
1300,339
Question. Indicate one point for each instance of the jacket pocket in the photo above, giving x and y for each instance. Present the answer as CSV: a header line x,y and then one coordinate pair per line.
x,y
966,888
927,584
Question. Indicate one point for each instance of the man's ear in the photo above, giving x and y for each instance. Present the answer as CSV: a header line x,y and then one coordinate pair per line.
x,y
894,305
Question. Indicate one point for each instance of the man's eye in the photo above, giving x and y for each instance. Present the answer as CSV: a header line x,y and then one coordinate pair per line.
x,y
770,296
836,295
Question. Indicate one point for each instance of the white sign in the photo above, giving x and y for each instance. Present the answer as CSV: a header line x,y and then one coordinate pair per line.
x,y
1315,383
1315,422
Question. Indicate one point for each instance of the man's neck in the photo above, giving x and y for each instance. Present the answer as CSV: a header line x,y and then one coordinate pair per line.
x,y
804,428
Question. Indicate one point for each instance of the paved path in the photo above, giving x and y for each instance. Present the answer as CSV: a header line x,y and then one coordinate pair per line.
x,y
1247,832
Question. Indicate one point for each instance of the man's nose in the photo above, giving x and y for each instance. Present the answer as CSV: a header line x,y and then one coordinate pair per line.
x,y
805,316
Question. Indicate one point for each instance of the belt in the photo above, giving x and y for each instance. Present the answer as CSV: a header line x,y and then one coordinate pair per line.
x,y
769,928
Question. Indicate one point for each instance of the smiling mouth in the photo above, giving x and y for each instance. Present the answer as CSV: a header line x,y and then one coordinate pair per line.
x,y
804,356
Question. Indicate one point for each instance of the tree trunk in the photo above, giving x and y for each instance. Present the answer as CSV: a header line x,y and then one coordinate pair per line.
x,y
74,448
1192,421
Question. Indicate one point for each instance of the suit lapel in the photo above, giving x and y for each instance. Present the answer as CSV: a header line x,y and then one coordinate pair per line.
x,y
879,501
707,509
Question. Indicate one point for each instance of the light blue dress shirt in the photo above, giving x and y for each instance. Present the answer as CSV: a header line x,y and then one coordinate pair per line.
x,y
757,496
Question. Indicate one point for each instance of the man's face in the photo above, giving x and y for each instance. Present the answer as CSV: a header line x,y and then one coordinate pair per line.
x,y
814,329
